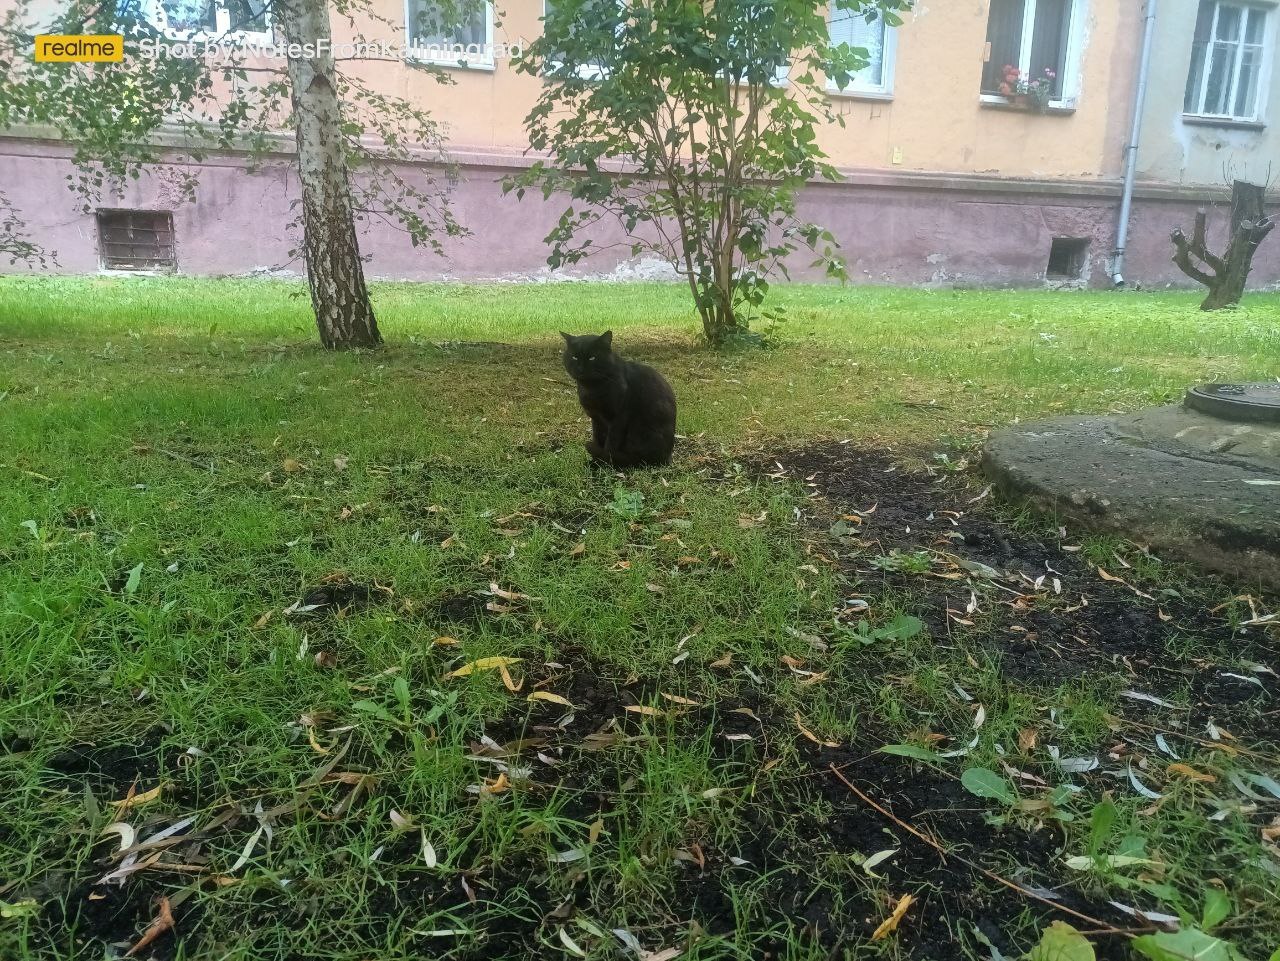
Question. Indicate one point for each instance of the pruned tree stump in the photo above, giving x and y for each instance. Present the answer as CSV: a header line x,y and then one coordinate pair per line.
x,y
1226,275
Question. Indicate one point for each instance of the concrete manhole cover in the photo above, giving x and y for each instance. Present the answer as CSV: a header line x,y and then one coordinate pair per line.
x,y
1252,402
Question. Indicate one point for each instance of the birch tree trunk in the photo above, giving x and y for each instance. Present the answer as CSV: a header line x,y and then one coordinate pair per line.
x,y
335,272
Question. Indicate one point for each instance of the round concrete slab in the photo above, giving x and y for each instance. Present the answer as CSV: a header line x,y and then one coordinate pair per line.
x,y
1187,484
1256,402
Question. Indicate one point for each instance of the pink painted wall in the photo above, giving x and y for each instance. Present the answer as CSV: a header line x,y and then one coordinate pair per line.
x,y
894,228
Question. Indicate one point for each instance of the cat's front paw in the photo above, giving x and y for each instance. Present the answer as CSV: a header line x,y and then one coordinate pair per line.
x,y
595,451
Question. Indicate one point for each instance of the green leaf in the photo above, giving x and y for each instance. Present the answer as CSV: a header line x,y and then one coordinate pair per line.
x,y
1101,821
986,783
134,579
1217,906
1188,944
910,750
1061,942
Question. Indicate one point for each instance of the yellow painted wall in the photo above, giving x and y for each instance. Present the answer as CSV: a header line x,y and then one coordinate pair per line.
x,y
934,121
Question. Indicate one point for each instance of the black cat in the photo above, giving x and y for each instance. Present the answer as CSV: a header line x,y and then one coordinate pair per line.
x,y
631,406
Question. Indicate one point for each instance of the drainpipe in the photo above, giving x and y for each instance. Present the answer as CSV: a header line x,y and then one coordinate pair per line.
x,y
1131,151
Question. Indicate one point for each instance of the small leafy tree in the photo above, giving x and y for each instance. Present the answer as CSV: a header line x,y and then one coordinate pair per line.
x,y
14,242
692,125
158,109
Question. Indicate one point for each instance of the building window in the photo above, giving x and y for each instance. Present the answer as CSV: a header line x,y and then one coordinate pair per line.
x,y
207,19
466,42
136,240
1227,52
876,38
1035,38
1067,258
594,69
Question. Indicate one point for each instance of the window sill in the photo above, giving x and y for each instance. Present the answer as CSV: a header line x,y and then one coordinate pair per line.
x,y
1200,120
1059,108
880,96
480,66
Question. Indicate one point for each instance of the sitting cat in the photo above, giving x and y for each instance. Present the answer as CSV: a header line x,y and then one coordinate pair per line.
x,y
631,406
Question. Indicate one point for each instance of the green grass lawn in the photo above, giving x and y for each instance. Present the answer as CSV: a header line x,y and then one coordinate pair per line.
x,y
247,573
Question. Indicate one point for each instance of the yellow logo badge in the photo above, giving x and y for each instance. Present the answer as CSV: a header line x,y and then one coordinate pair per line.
x,y
60,48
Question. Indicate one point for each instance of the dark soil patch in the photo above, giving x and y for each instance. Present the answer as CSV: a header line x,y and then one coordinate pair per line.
x,y
1042,636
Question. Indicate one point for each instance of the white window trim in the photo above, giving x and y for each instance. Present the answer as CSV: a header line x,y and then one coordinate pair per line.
x,y
460,60
1271,15
874,91
1071,70
585,71
221,31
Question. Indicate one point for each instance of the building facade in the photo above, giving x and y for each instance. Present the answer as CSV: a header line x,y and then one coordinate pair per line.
x,y
950,176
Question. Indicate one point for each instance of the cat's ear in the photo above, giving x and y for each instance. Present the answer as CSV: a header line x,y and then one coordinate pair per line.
x,y
605,340
568,338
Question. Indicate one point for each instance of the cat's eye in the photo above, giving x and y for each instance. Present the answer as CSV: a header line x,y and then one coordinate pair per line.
x,y
592,357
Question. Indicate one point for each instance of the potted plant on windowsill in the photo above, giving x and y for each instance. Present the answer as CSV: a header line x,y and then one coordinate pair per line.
x,y
1026,92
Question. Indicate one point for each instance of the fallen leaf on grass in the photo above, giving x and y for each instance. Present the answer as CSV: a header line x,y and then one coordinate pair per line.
x,y
1187,771
645,710
135,800
578,549
571,945
877,858
677,699
549,698
890,924
162,923
722,662
811,736
291,465
26,908
484,664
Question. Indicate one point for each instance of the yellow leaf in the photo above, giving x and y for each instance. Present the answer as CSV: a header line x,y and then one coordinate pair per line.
x,y
642,709
510,685
549,697
134,800
291,466
315,744
484,664
445,642
1187,771
596,829
813,679
811,736
677,699
1110,577
890,924
723,662
578,549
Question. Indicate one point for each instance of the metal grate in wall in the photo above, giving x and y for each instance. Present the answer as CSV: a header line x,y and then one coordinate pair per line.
x,y
136,240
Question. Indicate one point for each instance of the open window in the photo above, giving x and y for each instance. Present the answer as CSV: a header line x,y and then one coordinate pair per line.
x,y
458,34
1229,53
877,38
1031,49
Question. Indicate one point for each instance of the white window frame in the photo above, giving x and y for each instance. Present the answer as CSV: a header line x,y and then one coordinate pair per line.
x,y
461,60
1269,14
888,56
585,71
221,30
1071,72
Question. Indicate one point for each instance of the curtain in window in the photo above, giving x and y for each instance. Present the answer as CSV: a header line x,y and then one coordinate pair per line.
x,y
852,28
1004,34
1199,57
429,24
190,15
1049,41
